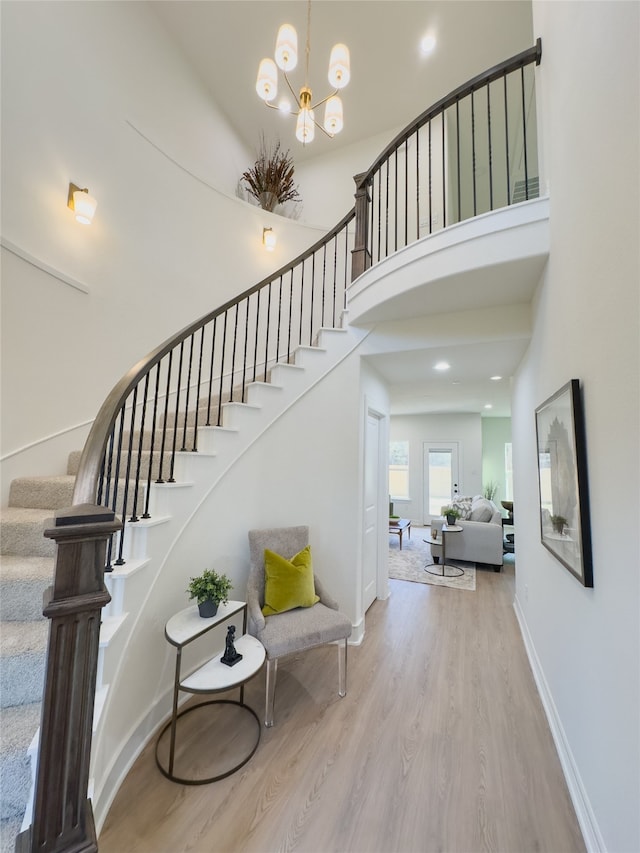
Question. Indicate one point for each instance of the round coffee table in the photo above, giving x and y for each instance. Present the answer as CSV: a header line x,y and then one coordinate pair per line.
x,y
456,571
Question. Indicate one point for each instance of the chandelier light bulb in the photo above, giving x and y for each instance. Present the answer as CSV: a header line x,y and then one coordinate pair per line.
x,y
333,119
267,82
287,48
305,128
339,66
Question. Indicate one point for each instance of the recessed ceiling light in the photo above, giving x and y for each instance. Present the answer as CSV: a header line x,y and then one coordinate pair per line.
x,y
488,406
427,44
442,365
496,378
456,382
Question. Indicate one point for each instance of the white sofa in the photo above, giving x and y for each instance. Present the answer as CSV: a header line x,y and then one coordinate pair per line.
x,y
481,538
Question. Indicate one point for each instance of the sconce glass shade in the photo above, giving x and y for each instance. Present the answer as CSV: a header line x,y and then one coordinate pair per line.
x,y
267,82
305,128
84,207
333,120
339,66
286,52
269,239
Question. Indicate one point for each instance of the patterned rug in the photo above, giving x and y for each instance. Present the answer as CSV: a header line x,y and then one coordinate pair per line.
x,y
409,564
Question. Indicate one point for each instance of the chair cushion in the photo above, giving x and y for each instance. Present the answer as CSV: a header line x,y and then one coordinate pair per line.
x,y
288,583
481,510
301,629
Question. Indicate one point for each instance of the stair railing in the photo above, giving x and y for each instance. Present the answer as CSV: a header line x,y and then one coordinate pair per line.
x,y
157,407
461,157
470,156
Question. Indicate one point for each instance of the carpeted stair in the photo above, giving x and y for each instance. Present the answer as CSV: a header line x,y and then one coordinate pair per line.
x,y
26,570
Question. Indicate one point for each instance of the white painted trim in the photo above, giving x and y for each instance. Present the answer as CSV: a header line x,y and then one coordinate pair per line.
x,y
591,834
46,438
36,262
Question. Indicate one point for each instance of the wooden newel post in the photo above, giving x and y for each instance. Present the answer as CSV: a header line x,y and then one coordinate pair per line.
x,y
360,255
62,814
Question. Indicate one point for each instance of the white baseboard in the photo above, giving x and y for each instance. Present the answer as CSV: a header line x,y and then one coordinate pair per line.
x,y
591,834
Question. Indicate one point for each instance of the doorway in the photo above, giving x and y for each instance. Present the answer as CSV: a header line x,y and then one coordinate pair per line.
x,y
441,476
373,466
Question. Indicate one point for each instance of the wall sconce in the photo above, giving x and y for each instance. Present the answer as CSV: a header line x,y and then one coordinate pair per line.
x,y
82,204
269,239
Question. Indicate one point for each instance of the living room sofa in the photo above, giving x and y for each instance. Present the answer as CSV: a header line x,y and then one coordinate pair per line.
x,y
481,538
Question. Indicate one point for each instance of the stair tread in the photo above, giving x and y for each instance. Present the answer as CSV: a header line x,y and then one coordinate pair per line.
x,y
25,514
19,638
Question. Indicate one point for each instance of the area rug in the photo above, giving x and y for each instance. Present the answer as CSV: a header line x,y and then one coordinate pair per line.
x,y
409,564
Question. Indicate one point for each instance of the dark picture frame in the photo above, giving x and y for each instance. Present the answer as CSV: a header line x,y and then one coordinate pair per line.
x,y
565,528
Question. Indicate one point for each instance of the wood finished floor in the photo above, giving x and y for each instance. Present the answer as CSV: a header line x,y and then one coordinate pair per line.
x,y
441,744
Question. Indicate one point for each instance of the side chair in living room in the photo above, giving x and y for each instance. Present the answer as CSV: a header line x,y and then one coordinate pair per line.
x,y
297,613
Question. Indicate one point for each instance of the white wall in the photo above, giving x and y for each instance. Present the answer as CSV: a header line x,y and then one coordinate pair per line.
x,y
418,429
96,94
587,641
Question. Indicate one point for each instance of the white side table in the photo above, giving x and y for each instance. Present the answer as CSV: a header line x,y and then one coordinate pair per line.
x,y
457,572
212,677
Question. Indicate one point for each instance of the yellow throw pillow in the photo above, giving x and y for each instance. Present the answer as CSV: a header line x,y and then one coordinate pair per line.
x,y
288,583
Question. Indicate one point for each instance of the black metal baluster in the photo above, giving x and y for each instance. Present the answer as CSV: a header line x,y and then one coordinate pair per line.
x,y
395,200
313,290
233,353
346,274
255,352
430,184
114,501
183,449
222,360
370,235
506,139
490,148
244,360
324,278
386,208
406,191
175,422
335,278
418,183
143,416
473,152
166,417
267,326
194,446
211,363
379,209
146,514
444,176
301,301
458,158
524,136
290,317
279,321
107,488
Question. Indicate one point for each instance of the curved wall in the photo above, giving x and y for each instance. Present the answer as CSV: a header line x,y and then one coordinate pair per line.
x,y
95,93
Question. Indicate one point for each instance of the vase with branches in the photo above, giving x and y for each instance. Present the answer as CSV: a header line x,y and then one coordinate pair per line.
x,y
270,179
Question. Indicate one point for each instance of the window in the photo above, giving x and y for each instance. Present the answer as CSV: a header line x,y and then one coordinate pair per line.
x,y
399,469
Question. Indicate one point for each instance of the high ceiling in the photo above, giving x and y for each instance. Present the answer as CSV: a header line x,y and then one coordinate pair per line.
x,y
391,83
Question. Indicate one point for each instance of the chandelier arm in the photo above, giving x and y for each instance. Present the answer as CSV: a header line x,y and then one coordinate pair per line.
x,y
324,100
291,89
320,127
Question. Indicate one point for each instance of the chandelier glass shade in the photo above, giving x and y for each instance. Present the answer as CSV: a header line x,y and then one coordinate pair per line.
x,y
286,59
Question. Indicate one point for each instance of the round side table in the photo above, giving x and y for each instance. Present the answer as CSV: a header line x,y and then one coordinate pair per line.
x,y
456,571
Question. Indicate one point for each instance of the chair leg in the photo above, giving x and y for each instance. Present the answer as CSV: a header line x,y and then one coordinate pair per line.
x,y
342,668
272,671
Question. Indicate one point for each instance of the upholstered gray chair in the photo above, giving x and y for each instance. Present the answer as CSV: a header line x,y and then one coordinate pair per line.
x,y
298,629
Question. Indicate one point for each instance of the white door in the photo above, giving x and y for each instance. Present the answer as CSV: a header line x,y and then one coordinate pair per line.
x,y
371,510
440,476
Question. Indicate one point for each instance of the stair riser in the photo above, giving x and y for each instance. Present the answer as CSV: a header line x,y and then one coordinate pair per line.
x,y
40,493
22,679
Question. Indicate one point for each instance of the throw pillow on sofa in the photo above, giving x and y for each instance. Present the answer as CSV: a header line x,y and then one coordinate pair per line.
x,y
481,510
463,505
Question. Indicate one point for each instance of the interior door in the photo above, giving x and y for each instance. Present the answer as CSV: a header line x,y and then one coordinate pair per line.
x,y
441,476
371,509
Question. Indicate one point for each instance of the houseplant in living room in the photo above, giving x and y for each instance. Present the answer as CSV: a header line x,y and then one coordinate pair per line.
x,y
451,514
270,179
210,590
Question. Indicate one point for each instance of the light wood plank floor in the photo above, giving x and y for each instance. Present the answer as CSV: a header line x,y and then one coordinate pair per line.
x,y
441,744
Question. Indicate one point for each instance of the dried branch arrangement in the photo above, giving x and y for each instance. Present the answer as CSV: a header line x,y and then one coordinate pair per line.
x,y
270,179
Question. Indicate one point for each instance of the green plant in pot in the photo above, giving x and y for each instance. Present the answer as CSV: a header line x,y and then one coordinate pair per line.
x,y
270,179
558,522
451,514
210,590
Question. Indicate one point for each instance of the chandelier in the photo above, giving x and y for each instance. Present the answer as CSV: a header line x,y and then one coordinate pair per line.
x,y
286,58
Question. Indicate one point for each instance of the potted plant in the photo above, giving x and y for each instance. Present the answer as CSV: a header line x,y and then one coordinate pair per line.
x,y
209,589
490,490
451,514
270,179
558,522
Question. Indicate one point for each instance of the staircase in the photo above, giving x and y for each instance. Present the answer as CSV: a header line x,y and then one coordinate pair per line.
x,y
27,559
